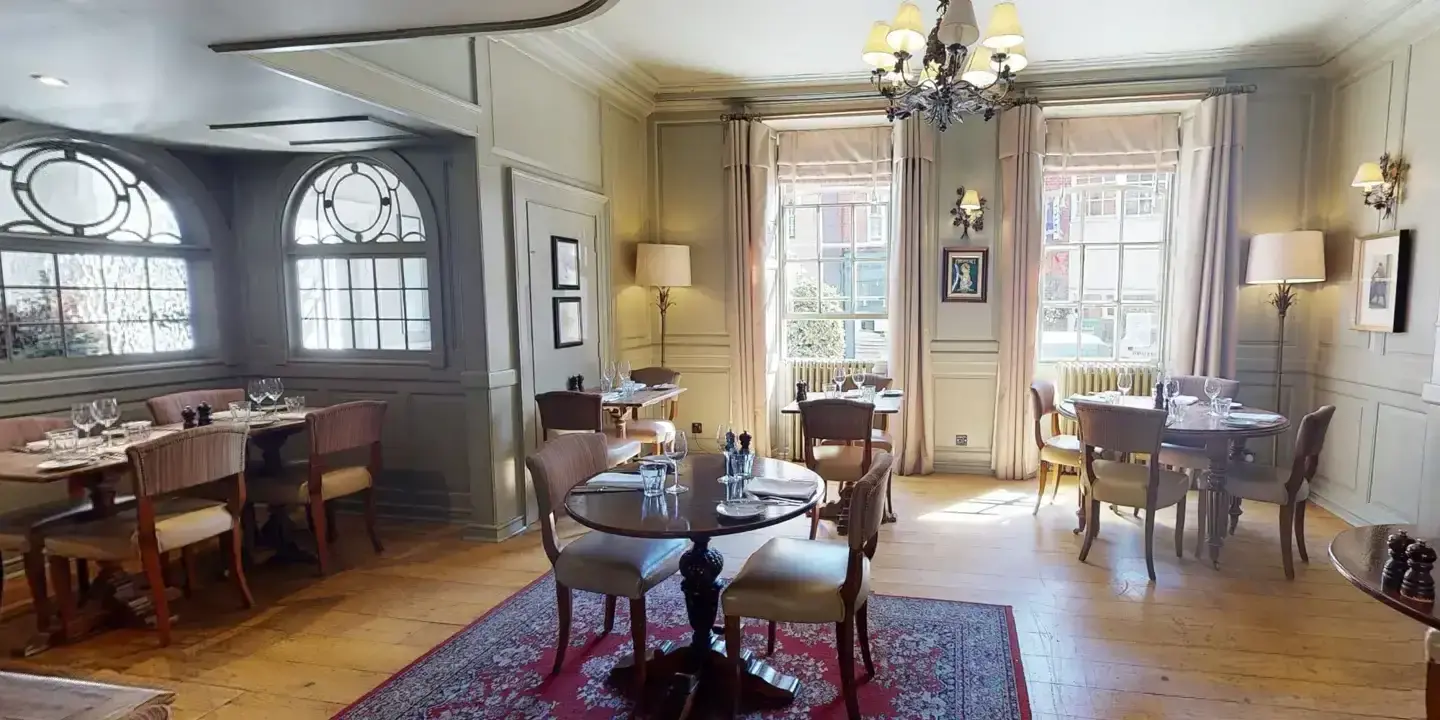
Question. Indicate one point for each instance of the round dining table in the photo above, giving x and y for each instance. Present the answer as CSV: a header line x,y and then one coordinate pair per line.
x,y
701,668
1223,444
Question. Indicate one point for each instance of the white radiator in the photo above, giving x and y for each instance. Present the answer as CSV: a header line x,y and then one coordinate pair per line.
x,y
820,374
1089,377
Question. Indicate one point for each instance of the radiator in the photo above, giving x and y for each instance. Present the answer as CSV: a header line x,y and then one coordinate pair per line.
x,y
820,374
1088,377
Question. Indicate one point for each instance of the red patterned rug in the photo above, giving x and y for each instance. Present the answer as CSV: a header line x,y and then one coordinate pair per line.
x,y
933,659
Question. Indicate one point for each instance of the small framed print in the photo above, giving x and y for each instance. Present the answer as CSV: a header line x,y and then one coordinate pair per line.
x,y
564,263
965,274
1382,281
569,322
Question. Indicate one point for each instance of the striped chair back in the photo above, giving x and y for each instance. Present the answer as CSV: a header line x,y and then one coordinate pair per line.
x,y
166,409
188,458
15,432
345,426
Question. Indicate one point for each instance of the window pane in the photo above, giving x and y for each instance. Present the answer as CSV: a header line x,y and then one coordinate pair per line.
x,y
82,340
337,273
416,275
81,271
387,273
1140,333
362,273
871,287
1142,275
308,274
312,334
131,337
312,304
367,335
337,304
815,339
339,334
36,341
1102,274
362,303
802,233
418,334
392,335
417,305
102,305
24,269
32,306
801,288
1097,333
356,202
835,284
392,304
173,337
1057,282
169,304
57,188
1059,215
1059,338
130,271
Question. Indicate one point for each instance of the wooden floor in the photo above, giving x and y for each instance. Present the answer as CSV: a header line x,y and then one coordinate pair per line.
x,y
1099,641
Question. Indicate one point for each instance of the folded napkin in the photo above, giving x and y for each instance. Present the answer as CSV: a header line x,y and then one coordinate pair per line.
x,y
664,386
615,480
298,415
1251,417
43,446
612,396
777,487
1184,399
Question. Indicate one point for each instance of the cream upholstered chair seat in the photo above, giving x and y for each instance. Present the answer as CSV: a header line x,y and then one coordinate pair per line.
x,y
179,521
1124,483
16,525
293,487
649,431
839,463
794,580
617,566
1061,450
1262,483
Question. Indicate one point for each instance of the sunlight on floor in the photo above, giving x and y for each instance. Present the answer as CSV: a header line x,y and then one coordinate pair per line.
x,y
993,506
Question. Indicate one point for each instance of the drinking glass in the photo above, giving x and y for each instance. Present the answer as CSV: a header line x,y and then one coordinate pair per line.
x,y
1212,388
652,477
1220,408
608,375
277,391
256,390
1125,381
1174,412
82,416
1172,386
839,381
240,412
624,370
678,448
295,403
137,431
107,412
64,444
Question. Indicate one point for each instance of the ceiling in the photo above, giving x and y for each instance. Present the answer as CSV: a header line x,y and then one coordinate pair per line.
x,y
700,43
145,68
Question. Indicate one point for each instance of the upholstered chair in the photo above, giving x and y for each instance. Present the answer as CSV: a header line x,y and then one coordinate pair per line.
x,y
879,437
1128,431
875,380
1287,487
344,460
165,410
813,581
162,520
565,411
845,462
1057,452
657,433
610,565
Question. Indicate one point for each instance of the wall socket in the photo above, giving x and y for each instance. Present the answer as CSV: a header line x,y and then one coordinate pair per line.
x,y
697,429
962,440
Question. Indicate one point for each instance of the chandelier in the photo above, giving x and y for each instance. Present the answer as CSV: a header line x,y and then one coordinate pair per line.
x,y
946,75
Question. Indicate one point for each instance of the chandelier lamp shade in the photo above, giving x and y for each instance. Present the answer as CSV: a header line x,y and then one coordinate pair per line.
x,y
952,71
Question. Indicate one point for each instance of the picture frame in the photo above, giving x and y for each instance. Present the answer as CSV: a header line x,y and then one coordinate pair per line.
x,y
964,274
1381,289
564,263
569,322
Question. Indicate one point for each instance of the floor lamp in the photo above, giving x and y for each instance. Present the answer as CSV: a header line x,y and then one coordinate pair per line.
x,y
662,267
1285,259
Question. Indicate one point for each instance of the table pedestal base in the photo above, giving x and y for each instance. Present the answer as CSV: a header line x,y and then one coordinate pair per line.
x,y
117,599
686,682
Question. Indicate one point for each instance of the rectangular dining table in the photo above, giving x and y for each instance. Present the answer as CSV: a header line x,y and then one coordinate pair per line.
x,y
619,405
887,403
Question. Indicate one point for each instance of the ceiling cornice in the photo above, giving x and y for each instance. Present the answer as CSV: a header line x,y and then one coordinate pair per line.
x,y
585,60
1415,20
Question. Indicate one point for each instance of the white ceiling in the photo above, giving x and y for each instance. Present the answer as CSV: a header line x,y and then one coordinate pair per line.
x,y
144,68
715,42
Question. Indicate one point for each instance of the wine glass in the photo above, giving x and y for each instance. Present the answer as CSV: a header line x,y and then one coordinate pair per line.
x,y
1125,381
721,431
277,391
609,375
256,390
1212,388
1172,386
82,416
106,412
839,381
624,373
676,452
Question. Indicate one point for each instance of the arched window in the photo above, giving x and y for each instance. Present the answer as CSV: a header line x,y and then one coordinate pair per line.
x,y
359,247
93,260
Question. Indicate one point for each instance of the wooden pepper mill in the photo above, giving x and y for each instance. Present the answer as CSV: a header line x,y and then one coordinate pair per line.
x,y
1418,583
1395,567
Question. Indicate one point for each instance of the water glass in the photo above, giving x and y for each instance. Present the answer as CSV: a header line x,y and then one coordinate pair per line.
x,y
295,403
64,444
1220,408
136,431
240,412
1175,412
744,466
652,477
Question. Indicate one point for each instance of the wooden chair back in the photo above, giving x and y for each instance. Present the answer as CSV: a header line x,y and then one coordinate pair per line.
x,y
570,410
1194,386
356,425
1042,404
1309,441
875,380
867,512
836,419
165,410
17,431
558,466
187,458
660,376
1124,430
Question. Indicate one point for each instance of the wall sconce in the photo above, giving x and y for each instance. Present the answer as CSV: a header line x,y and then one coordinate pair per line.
x,y
969,211
1381,182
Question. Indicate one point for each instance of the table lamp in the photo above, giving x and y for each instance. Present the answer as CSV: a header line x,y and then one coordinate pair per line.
x,y
1285,259
662,267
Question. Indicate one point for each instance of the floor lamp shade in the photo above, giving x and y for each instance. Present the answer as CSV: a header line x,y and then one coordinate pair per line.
x,y
658,265
1287,257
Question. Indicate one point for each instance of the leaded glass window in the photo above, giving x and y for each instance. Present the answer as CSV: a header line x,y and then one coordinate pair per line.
x,y
359,261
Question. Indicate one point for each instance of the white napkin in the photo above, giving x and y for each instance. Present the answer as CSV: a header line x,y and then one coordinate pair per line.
x,y
1184,399
777,487
1254,417
664,386
615,480
612,396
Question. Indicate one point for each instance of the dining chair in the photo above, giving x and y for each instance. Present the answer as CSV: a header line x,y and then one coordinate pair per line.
x,y
1288,488
565,411
815,581
165,410
833,419
657,432
344,460
1126,431
1192,457
1057,451
611,565
163,519
875,380
880,436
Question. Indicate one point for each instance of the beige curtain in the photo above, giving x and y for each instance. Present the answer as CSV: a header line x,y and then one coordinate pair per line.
x,y
1022,131
1205,257
915,233
750,206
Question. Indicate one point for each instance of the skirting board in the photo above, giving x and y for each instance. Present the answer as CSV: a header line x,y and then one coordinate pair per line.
x,y
493,533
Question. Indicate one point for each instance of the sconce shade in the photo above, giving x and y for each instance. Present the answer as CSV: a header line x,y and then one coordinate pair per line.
x,y
877,49
1287,257
659,265
958,27
971,201
1004,31
1368,176
907,33
979,72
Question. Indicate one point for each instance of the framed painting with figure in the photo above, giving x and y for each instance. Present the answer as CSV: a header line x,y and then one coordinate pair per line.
x,y
1382,281
569,322
565,263
965,274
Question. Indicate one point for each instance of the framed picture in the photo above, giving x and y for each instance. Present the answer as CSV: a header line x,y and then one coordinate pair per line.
x,y
1382,281
569,322
965,274
564,263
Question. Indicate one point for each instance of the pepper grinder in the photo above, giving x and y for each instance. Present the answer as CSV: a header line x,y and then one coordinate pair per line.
x,y
187,417
1395,567
202,414
1418,583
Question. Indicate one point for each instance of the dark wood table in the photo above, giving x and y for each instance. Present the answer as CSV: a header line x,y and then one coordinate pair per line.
x,y
1360,554
886,403
700,669
630,404
1222,443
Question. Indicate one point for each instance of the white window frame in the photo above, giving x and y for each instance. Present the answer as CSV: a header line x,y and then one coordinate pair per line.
x,y
1083,191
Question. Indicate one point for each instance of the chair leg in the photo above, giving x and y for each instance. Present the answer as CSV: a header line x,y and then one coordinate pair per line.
x,y
82,573
370,520
192,576
1092,528
1287,530
637,634
234,549
732,649
1180,528
319,527
1202,518
609,615
845,640
770,639
155,573
814,521
1041,475
64,594
39,596
332,528
1300,530
1150,542
862,627
563,600
1055,490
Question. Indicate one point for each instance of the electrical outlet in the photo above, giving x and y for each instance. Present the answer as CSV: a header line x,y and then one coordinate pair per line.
x,y
962,440
697,429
